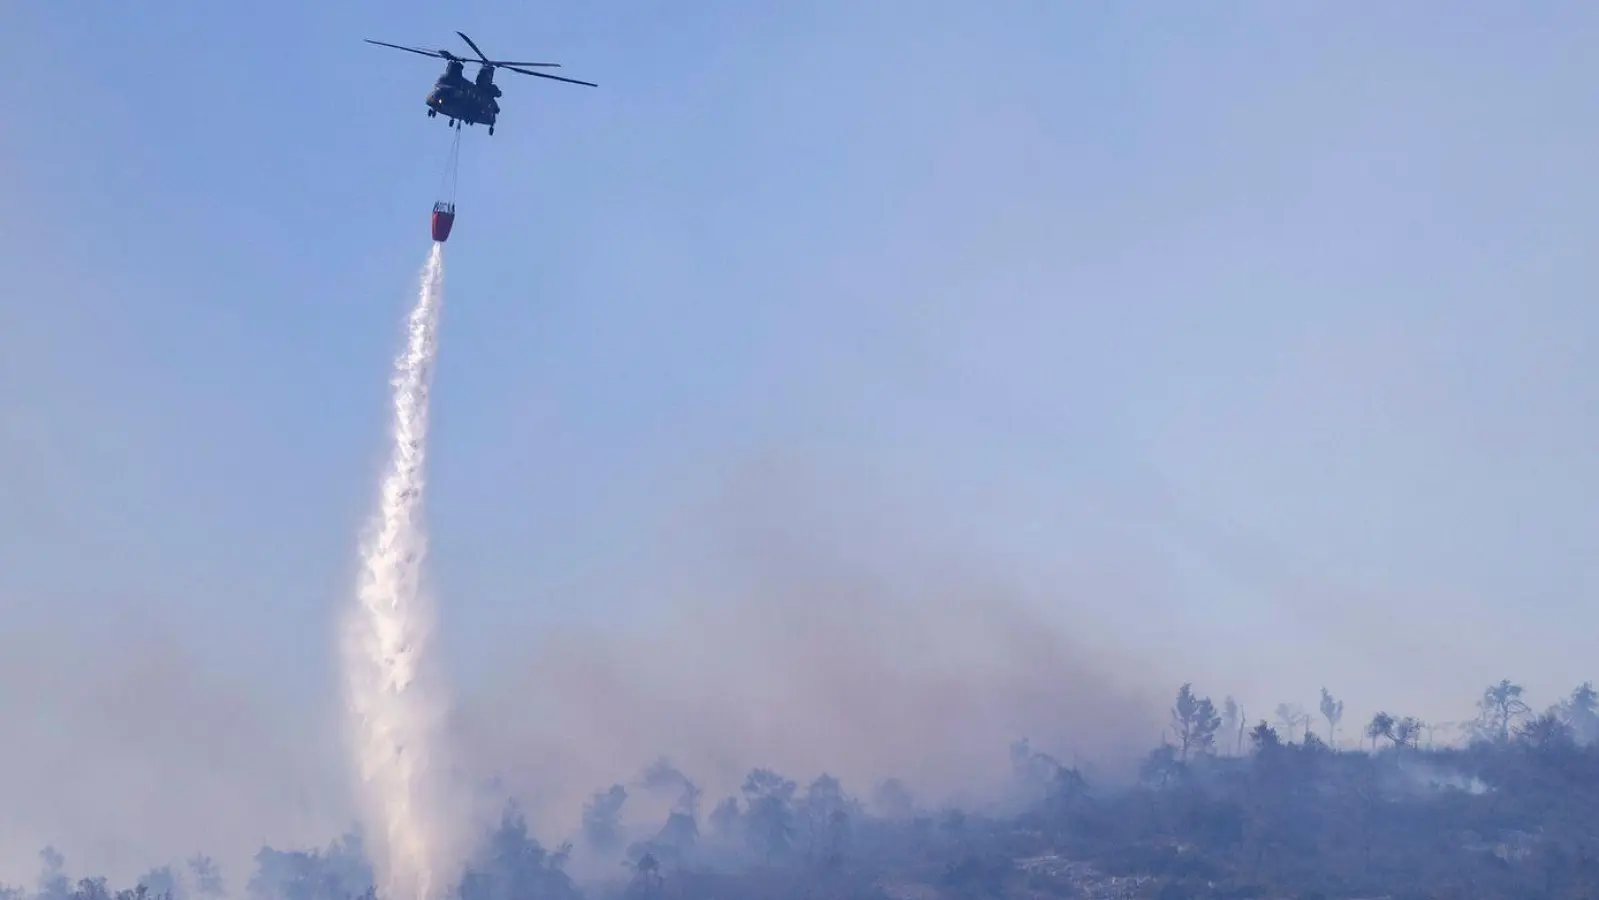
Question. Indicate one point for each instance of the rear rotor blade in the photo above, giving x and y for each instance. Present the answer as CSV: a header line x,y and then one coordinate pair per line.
x,y
552,77
499,62
469,43
433,53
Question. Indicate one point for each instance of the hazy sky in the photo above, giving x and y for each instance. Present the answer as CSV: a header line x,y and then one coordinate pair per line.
x,y
1244,343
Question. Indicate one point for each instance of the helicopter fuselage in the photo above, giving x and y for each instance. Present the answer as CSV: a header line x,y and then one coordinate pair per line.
x,y
462,101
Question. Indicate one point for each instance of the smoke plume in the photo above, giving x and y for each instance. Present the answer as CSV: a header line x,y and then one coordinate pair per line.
x,y
810,644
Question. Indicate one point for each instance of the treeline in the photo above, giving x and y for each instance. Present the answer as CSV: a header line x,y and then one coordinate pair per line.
x,y
1501,710
1511,812
1221,808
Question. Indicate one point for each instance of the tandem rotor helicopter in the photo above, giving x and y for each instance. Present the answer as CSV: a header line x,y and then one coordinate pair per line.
x,y
472,102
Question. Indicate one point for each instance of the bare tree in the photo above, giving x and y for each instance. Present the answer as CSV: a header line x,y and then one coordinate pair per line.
x,y
1500,708
1292,717
1407,731
1381,726
1232,719
1333,711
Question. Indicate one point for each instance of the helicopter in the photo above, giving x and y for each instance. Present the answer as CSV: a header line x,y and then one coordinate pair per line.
x,y
473,102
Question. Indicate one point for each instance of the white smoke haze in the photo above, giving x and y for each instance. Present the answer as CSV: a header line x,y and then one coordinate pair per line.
x,y
125,750
810,645
395,692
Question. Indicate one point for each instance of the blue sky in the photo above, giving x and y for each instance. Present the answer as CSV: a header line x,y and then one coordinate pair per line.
x,y
1258,334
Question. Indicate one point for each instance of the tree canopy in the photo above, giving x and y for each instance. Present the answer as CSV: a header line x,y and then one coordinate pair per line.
x,y
1280,811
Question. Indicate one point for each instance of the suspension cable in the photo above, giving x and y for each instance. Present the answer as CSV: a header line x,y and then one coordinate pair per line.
x,y
452,165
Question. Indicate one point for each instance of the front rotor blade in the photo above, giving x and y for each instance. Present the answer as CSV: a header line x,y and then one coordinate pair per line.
x,y
469,43
505,62
433,53
553,77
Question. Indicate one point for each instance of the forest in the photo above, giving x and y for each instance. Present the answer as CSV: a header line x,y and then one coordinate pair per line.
x,y
1300,807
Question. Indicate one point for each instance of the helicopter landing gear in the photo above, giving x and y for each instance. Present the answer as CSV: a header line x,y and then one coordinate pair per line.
x,y
491,129
433,114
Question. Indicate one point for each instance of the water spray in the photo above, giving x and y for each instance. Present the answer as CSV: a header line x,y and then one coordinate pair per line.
x,y
395,705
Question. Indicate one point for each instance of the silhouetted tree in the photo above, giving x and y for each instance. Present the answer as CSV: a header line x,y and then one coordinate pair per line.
x,y
1265,737
1333,711
893,799
513,866
602,818
161,882
646,877
336,873
1161,767
1580,713
1293,718
1498,711
207,878
1381,726
1232,723
53,883
1546,733
1033,769
769,823
1194,722
1406,732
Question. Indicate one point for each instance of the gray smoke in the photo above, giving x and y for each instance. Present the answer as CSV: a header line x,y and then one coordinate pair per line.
x,y
811,646
125,749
